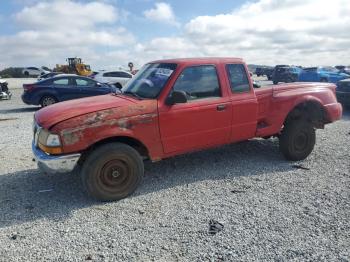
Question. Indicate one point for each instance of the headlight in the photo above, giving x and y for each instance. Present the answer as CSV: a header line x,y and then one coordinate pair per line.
x,y
49,143
53,140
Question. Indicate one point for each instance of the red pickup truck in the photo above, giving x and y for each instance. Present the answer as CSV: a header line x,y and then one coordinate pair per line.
x,y
173,107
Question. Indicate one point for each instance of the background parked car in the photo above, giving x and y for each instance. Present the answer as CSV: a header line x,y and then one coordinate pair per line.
x,y
48,75
285,73
34,71
63,87
322,74
116,78
343,69
264,71
343,92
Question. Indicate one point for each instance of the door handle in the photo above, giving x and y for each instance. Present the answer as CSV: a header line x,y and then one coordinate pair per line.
x,y
221,107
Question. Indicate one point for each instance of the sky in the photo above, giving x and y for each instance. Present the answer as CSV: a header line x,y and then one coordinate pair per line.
x,y
108,34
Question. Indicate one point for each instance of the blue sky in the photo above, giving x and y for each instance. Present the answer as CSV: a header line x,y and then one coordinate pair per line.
x,y
109,33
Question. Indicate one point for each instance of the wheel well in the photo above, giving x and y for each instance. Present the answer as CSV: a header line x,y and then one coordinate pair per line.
x,y
134,143
46,95
311,111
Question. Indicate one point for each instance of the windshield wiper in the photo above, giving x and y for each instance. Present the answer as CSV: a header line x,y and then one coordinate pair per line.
x,y
132,94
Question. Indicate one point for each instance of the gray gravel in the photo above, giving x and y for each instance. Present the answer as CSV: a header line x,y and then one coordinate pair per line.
x,y
270,209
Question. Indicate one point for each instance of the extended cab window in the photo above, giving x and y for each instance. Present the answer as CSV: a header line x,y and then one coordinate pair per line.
x,y
238,78
198,82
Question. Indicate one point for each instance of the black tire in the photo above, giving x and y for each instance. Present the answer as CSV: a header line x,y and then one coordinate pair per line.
x,y
117,85
112,172
275,82
324,80
26,73
297,140
47,100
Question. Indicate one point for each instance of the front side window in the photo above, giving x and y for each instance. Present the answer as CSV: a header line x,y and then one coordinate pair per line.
x,y
238,78
108,74
61,81
198,82
84,82
150,80
125,75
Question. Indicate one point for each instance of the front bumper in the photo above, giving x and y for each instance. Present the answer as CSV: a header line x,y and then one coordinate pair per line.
x,y
55,164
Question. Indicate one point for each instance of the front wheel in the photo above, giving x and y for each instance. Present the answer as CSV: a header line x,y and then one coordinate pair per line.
x,y
297,140
112,172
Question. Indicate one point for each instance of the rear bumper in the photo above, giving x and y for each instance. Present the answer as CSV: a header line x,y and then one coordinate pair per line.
x,y
334,111
26,99
55,164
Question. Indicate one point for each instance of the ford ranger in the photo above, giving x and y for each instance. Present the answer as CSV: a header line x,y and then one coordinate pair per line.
x,y
172,107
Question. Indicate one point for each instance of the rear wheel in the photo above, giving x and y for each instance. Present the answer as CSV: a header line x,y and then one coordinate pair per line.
x,y
47,100
275,82
325,80
112,172
26,73
297,139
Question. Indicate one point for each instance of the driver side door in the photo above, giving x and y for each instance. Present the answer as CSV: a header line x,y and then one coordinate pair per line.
x,y
204,120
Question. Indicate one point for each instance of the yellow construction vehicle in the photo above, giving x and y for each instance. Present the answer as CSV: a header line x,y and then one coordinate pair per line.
x,y
75,66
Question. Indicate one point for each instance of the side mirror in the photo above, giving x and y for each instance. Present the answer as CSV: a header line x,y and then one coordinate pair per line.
x,y
256,85
176,97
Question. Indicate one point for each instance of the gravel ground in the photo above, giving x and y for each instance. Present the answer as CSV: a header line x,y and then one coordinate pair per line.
x,y
270,209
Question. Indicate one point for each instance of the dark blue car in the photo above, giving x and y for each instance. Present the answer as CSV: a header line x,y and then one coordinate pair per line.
x,y
62,88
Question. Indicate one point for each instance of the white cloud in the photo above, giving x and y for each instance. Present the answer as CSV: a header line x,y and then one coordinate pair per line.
x,y
305,32
66,14
58,29
273,31
162,12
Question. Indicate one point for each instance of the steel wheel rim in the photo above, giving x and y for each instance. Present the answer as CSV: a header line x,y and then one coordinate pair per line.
x,y
114,175
301,142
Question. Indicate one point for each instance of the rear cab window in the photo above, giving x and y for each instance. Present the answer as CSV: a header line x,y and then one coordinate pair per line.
x,y
238,78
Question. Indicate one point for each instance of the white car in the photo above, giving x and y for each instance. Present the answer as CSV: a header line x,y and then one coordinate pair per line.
x,y
34,71
117,78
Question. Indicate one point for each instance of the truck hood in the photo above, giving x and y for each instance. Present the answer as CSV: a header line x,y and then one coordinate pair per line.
x,y
56,113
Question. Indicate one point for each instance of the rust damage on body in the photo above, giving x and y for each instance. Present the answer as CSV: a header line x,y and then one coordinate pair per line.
x,y
124,122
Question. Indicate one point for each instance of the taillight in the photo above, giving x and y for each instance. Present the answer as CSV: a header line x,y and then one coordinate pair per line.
x,y
28,87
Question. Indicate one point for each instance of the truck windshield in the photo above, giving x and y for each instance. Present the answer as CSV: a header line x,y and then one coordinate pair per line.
x,y
150,80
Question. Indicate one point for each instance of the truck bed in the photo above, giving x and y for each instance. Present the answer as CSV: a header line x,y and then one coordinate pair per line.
x,y
270,99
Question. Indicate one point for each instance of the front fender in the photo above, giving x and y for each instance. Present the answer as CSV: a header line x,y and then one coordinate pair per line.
x,y
79,133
